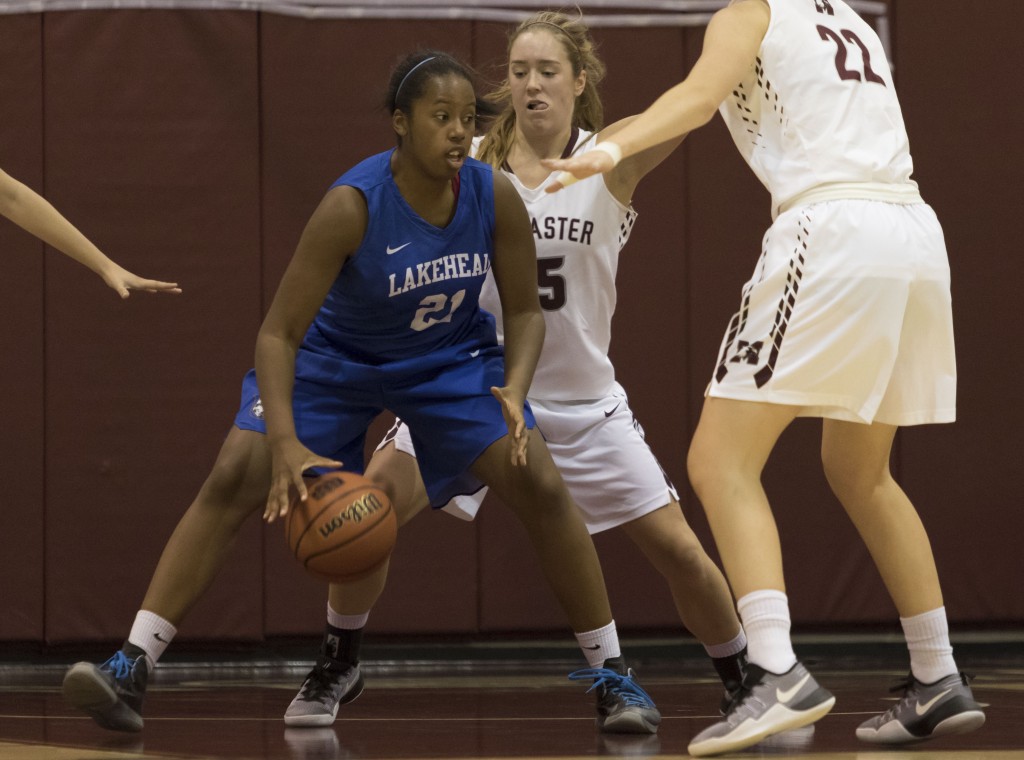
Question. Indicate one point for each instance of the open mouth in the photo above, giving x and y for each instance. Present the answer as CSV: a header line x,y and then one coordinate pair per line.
x,y
536,105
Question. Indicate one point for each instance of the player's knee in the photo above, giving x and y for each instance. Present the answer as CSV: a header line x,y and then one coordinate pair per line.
x,y
848,479
234,486
700,469
682,559
543,495
551,488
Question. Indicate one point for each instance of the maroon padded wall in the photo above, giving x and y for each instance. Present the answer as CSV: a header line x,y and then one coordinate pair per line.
x,y
22,407
151,134
964,125
194,145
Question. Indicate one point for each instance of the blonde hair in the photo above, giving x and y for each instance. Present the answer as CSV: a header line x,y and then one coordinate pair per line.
x,y
588,113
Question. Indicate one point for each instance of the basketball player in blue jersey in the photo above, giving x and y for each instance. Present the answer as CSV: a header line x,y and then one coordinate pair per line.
x,y
847,318
551,107
35,214
378,310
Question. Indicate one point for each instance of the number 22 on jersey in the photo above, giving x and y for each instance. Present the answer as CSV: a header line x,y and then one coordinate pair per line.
x,y
844,41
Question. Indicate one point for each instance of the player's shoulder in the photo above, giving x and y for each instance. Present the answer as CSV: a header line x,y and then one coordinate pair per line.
x,y
585,140
372,170
742,14
475,165
477,177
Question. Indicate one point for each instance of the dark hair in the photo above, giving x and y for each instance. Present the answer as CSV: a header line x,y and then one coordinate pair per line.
x,y
411,74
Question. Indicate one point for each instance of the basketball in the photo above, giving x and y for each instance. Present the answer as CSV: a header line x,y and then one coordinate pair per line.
x,y
345,529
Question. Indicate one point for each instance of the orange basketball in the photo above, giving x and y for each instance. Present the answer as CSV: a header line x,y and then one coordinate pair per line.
x,y
345,528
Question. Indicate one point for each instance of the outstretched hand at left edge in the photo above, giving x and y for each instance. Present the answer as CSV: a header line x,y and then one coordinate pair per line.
x,y
123,282
512,409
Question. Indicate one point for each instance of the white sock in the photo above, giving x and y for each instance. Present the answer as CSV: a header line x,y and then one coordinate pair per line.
x,y
931,654
728,648
599,645
152,634
765,617
346,622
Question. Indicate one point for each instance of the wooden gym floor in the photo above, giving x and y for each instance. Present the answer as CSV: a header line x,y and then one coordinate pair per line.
x,y
494,700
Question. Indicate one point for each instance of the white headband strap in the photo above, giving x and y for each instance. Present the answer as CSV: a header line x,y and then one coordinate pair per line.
x,y
409,72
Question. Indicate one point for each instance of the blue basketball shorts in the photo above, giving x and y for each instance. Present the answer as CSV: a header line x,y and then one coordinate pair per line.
x,y
444,397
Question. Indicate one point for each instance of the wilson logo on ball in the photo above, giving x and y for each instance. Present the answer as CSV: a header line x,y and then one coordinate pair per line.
x,y
344,530
356,512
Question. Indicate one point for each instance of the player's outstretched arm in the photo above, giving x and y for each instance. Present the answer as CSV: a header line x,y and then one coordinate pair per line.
x,y
515,275
731,42
35,214
331,235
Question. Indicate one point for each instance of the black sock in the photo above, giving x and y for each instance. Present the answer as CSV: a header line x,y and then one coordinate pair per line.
x,y
618,664
730,669
131,651
342,644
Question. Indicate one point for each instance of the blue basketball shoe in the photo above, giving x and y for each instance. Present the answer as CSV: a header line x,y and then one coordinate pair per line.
x,y
623,707
112,692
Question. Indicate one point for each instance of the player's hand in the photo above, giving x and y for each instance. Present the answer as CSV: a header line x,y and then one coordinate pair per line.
x,y
290,459
512,410
576,168
123,282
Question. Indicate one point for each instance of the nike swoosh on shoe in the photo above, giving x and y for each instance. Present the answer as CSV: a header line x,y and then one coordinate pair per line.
x,y
921,709
784,695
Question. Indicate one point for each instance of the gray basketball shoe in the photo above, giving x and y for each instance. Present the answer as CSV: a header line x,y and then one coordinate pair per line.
x,y
329,685
112,692
769,704
925,711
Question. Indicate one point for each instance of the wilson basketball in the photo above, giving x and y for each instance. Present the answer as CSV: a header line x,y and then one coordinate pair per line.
x,y
345,528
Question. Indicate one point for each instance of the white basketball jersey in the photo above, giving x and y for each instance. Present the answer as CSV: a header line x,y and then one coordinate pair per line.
x,y
819,106
579,233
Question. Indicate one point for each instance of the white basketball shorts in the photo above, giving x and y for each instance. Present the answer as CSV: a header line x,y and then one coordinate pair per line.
x,y
599,448
847,316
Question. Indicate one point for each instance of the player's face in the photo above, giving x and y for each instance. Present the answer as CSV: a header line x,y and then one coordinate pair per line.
x,y
544,89
438,132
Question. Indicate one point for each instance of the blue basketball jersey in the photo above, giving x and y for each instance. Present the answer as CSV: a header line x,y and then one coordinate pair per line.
x,y
412,288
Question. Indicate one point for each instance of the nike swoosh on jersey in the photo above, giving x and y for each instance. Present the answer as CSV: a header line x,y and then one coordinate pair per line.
x,y
784,695
475,354
609,414
391,250
921,709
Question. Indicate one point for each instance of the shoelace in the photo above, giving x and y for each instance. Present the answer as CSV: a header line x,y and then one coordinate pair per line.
x,y
906,682
902,685
734,698
319,684
621,685
120,665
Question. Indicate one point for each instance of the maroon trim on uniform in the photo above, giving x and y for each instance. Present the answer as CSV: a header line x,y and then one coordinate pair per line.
x,y
570,146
